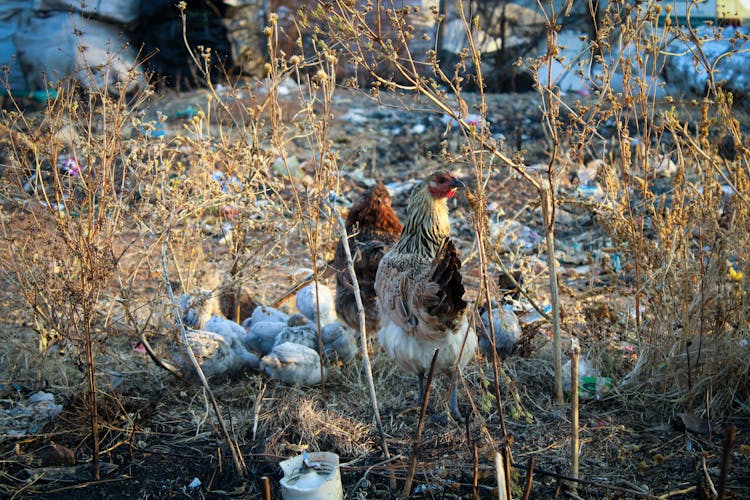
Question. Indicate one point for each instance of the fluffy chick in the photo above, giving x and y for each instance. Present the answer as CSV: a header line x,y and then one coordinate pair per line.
x,y
216,355
307,304
507,330
198,307
298,331
293,364
338,342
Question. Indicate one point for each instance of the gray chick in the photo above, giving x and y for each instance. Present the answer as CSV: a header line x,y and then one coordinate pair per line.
x,y
338,343
507,330
293,364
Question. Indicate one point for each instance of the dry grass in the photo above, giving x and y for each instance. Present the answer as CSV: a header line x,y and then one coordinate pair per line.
x,y
83,283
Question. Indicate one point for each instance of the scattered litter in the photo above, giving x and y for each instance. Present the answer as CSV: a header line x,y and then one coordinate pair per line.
x,y
590,384
155,132
418,129
138,347
532,315
30,416
187,113
515,236
473,120
227,185
195,483
71,166
311,476
356,116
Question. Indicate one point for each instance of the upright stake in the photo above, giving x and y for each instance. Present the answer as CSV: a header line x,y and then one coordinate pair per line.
x,y
418,437
726,458
574,451
548,214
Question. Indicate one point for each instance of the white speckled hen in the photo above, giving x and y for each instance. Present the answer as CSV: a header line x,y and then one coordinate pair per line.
x,y
420,289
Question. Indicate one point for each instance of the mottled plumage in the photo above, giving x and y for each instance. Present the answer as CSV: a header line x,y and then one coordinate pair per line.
x,y
307,304
506,327
420,288
217,355
293,364
373,227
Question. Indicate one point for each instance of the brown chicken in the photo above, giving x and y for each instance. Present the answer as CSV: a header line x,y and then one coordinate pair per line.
x,y
420,289
373,227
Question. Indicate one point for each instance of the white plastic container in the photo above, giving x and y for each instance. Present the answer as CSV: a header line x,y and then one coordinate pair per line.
x,y
312,476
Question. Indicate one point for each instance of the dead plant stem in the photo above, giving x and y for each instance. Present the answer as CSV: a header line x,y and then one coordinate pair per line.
x,y
239,464
418,436
363,330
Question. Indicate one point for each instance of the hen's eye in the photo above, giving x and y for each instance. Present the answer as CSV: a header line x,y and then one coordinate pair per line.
x,y
441,179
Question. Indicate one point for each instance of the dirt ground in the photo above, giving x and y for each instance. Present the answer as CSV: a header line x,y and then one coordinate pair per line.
x,y
159,434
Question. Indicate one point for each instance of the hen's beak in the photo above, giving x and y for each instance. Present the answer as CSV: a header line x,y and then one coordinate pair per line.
x,y
457,183
454,185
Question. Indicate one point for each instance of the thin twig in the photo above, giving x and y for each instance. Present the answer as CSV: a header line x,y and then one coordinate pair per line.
x,y
726,458
574,451
595,484
475,475
156,359
420,426
529,478
239,463
502,486
362,328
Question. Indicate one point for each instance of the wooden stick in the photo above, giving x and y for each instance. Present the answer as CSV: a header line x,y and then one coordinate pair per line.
x,y
500,473
529,478
726,458
420,426
234,448
574,438
475,484
362,328
266,485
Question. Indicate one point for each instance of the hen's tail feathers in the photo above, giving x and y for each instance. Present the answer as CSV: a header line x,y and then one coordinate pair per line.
x,y
446,273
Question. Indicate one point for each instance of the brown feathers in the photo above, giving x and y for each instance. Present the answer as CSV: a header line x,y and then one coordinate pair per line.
x,y
373,227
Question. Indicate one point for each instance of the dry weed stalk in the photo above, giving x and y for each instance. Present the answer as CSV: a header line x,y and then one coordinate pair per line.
x,y
71,176
234,449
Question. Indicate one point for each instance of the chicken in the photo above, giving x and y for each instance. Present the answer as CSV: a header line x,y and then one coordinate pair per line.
x,y
198,307
506,327
307,303
217,355
373,227
338,343
201,312
293,364
262,327
420,289
298,331
338,340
